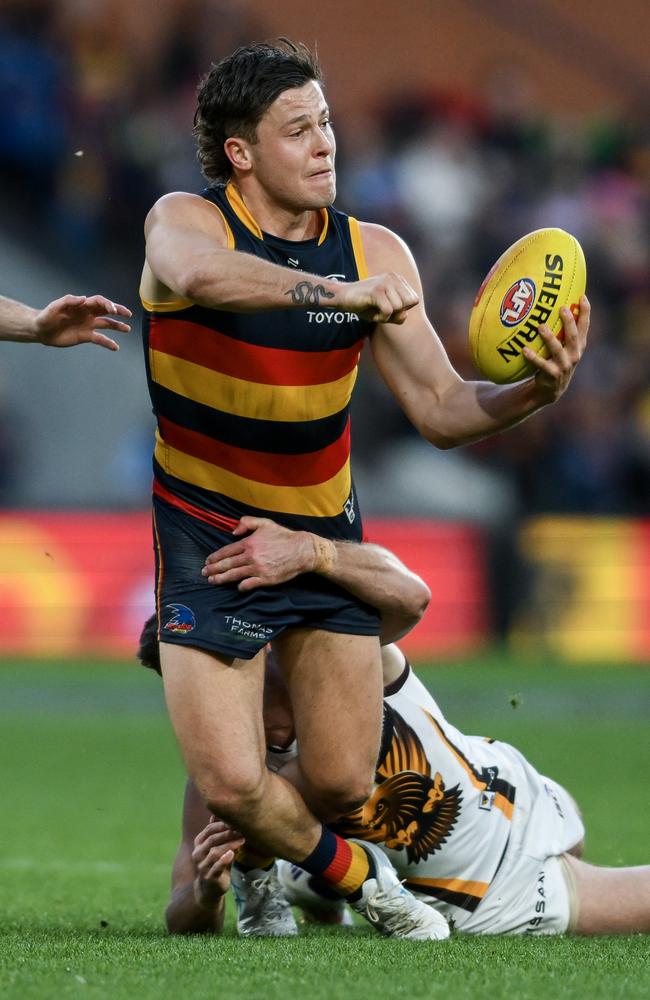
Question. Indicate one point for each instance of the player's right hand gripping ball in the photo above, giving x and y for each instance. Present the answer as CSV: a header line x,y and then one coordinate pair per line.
x,y
527,286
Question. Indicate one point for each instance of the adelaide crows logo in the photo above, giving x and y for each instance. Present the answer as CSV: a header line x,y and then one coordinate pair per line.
x,y
182,620
410,809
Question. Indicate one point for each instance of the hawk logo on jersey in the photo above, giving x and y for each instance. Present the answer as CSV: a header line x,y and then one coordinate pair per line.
x,y
410,809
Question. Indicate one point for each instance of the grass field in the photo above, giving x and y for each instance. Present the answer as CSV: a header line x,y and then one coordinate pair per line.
x,y
90,805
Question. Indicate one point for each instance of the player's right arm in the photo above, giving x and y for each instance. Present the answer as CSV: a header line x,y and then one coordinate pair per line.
x,y
201,872
187,257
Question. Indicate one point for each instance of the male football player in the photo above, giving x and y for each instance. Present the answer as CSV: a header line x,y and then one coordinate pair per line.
x,y
258,296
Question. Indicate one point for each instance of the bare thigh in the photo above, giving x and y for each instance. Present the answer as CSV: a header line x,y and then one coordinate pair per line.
x,y
335,685
610,900
215,706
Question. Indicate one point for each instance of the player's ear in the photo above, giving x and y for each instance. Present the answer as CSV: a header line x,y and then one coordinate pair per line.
x,y
238,152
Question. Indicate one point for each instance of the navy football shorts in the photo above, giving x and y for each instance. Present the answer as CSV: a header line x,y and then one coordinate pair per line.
x,y
219,617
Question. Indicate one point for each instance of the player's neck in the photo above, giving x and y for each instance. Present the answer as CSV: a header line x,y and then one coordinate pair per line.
x,y
280,220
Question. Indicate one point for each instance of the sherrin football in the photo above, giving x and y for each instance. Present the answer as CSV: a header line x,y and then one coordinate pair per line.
x,y
527,286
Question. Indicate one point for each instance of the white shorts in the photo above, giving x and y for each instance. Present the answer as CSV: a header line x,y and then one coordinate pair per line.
x,y
533,891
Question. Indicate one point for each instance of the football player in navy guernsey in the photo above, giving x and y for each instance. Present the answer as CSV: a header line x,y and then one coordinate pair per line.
x,y
258,296
66,322
468,823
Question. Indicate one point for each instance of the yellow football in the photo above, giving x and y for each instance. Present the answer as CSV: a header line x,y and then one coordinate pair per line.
x,y
527,286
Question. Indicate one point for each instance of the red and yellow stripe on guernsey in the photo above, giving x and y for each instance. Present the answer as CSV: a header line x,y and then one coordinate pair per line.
x,y
324,499
258,383
298,400
249,362
349,868
309,469
500,801
255,400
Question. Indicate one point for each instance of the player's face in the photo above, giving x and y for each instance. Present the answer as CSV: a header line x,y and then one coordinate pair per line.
x,y
293,158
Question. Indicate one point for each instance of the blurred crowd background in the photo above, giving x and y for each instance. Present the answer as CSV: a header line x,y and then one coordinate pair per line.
x,y
96,106
462,127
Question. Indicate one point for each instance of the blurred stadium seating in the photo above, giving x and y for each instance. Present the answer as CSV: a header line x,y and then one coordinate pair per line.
x,y
535,119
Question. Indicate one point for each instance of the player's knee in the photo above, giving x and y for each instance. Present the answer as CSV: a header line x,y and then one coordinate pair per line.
x,y
335,798
235,797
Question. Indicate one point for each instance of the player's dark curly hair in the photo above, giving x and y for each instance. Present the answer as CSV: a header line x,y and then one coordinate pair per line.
x,y
235,94
148,650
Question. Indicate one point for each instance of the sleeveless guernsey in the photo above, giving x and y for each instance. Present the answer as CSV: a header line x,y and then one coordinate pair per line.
x,y
253,409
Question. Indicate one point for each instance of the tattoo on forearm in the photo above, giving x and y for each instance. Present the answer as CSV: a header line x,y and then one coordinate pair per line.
x,y
305,293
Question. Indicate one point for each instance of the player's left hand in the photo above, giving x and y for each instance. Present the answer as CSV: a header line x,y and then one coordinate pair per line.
x,y
212,855
555,372
269,554
78,319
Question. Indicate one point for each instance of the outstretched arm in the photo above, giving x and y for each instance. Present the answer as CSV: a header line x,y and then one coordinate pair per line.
x,y
66,322
445,409
188,257
269,554
201,873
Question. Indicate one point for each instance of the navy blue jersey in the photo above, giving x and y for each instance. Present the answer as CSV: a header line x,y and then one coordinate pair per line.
x,y
253,408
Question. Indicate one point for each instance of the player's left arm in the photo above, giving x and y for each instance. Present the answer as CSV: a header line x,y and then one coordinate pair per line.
x,y
66,322
268,554
201,872
447,410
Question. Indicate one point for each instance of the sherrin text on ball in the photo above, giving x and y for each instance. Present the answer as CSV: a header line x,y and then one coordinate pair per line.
x,y
529,284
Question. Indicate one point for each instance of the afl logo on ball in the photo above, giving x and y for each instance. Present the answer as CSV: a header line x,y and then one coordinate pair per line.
x,y
517,302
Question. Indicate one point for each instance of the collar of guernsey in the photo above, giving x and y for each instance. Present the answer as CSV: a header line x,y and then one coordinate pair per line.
x,y
253,409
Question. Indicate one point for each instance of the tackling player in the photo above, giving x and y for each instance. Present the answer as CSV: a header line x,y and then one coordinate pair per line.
x,y
467,822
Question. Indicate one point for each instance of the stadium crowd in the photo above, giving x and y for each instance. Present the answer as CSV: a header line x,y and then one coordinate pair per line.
x,y
95,108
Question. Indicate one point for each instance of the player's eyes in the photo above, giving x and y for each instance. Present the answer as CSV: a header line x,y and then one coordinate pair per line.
x,y
297,133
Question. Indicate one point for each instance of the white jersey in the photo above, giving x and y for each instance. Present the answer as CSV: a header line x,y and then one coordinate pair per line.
x,y
277,757
450,810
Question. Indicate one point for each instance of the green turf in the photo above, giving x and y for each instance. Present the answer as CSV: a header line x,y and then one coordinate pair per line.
x,y
90,805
